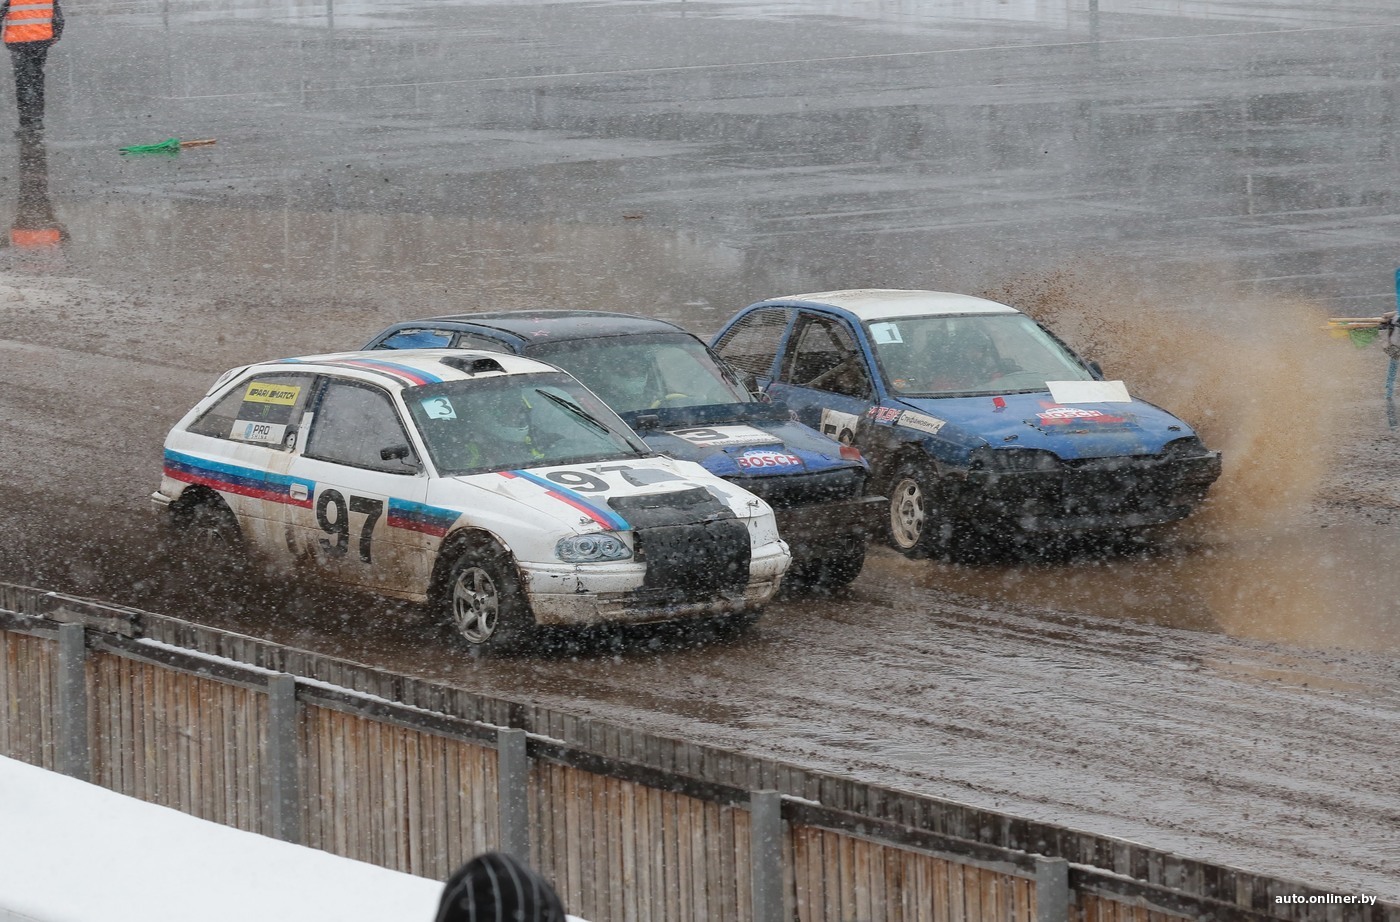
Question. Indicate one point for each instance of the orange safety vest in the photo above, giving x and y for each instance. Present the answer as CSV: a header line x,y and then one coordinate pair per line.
x,y
30,21
40,238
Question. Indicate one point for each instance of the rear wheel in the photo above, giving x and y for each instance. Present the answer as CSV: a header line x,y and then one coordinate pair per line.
x,y
481,599
916,528
203,523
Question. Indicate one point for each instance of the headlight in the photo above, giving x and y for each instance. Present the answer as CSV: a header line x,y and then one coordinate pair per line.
x,y
1013,460
1189,447
592,548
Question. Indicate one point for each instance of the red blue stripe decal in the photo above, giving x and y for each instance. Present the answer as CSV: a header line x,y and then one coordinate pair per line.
x,y
404,374
231,478
430,520
600,514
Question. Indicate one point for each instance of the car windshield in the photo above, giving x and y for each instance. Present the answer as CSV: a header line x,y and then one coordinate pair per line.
x,y
645,372
970,354
517,421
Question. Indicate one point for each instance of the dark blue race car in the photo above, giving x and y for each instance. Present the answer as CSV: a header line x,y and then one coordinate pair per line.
x,y
668,385
976,420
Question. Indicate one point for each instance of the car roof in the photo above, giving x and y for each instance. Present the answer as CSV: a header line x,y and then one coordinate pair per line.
x,y
410,367
545,325
889,303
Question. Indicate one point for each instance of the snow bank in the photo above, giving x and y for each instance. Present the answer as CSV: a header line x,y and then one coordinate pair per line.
x,y
75,852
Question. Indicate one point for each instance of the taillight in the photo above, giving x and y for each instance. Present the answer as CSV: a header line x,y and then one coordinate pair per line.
x,y
851,453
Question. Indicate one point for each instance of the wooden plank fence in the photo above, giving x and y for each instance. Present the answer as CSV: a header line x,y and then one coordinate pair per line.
x,y
418,776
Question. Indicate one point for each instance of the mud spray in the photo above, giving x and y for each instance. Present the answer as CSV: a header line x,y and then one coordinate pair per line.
x,y
1261,381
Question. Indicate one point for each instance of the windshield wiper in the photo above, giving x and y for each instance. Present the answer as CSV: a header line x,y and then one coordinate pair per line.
x,y
578,411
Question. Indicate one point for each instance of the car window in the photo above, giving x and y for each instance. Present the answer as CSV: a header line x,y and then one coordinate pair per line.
x,y
646,371
970,354
353,423
262,410
477,341
824,356
750,345
416,339
516,421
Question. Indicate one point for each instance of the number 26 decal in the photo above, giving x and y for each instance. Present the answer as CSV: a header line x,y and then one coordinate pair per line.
x,y
338,525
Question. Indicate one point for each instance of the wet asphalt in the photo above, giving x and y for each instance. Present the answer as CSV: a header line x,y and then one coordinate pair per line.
x,y
1185,191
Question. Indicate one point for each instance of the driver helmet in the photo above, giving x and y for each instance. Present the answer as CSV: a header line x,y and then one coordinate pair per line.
x,y
630,385
506,415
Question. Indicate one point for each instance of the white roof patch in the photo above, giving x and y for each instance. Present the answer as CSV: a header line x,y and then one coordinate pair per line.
x,y
888,303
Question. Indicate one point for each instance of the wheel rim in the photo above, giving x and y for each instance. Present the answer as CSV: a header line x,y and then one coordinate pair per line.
x,y
907,513
212,529
476,604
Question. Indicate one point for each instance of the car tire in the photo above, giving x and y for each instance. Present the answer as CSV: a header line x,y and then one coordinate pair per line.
x,y
203,523
481,600
916,526
835,569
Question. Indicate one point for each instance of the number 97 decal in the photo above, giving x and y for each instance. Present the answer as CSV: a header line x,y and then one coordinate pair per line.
x,y
333,515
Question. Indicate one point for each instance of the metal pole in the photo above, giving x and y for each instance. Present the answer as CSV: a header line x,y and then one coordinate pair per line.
x,y
74,756
766,854
281,770
513,792
1051,889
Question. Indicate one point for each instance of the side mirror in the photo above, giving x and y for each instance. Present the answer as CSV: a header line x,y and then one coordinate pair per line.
x,y
402,454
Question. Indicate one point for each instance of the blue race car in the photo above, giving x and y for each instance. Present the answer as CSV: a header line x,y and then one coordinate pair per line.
x,y
977,421
667,385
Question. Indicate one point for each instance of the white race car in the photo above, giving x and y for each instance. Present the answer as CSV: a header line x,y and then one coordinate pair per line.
x,y
496,488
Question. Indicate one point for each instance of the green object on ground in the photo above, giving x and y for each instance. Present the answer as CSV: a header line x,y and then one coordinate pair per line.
x,y
1363,337
172,146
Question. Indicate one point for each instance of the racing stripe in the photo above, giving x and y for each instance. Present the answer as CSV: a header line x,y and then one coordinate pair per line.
x,y
230,478
410,376
600,514
395,371
430,520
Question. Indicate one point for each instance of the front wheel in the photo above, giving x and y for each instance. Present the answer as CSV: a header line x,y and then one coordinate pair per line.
x,y
915,526
482,600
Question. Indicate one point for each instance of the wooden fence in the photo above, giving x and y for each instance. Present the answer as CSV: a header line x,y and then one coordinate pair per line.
x,y
419,776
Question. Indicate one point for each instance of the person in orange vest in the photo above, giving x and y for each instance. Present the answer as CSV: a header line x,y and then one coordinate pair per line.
x,y
28,28
37,237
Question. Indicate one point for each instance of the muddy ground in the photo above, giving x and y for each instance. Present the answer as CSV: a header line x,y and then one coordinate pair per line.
x,y
1186,197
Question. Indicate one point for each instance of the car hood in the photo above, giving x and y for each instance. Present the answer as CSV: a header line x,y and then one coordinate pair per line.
x,y
1070,430
608,496
742,440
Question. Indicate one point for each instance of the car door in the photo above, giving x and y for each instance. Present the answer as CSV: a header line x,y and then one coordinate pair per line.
x,y
824,376
359,467
243,447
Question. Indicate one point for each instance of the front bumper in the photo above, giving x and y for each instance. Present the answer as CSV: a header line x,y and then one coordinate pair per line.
x,y
562,594
1099,494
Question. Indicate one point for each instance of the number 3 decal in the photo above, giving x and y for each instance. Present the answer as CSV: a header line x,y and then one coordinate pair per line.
x,y
339,526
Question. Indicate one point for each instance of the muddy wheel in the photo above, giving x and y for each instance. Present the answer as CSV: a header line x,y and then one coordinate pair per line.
x,y
915,524
203,523
481,600
835,568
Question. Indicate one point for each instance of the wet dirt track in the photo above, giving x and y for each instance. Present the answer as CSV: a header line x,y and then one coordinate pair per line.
x,y
1184,196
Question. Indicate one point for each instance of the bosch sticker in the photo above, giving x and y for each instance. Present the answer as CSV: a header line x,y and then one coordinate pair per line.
x,y
754,460
923,423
